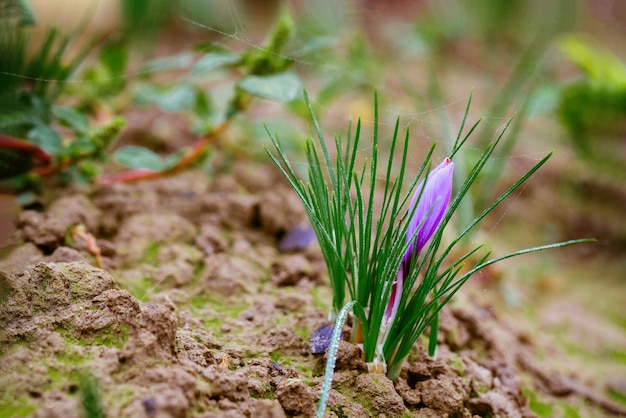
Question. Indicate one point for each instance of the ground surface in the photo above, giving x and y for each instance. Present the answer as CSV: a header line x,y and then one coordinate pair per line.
x,y
197,313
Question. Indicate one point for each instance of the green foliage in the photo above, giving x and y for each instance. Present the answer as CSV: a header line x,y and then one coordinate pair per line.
x,y
139,158
601,67
214,60
29,89
144,18
106,80
543,410
65,137
270,59
18,10
593,108
363,246
282,87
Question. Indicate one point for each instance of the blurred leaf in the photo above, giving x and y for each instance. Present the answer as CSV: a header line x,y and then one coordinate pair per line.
x,y
173,62
320,340
203,107
171,99
11,9
270,59
316,44
46,138
10,119
596,61
212,61
88,169
26,199
72,118
282,87
207,47
105,135
174,158
144,18
13,163
81,147
138,158
114,58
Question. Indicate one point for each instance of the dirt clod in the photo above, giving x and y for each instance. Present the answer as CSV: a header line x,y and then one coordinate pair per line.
x,y
290,269
296,398
226,384
377,391
444,395
266,408
348,357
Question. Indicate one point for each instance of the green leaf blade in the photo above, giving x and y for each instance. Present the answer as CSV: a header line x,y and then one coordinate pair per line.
x,y
138,158
281,87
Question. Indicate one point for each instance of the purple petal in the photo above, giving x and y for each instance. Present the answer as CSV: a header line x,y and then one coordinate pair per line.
x,y
431,207
298,238
427,216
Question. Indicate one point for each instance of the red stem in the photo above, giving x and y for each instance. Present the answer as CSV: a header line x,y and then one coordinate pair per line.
x,y
194,153
9,142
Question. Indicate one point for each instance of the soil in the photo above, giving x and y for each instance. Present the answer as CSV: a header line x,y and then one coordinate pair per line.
x,y
197,313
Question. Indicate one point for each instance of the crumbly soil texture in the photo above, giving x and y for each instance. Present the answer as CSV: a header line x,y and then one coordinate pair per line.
x,y
196,313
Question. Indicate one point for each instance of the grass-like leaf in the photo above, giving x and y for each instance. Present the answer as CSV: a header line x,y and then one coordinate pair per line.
x,y
368,248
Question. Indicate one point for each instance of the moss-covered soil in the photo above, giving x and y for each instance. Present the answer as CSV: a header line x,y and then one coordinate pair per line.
x,y
197,313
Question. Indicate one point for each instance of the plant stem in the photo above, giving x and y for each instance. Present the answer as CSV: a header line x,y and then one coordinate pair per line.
x,y
193,155
394,367
432,338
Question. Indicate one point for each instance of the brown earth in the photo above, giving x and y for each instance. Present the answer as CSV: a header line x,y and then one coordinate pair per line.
x,y
197,313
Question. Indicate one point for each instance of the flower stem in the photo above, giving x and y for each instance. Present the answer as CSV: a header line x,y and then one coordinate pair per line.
x,y
432,338
394,367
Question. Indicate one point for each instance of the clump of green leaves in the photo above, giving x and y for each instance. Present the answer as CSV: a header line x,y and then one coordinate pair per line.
x,y
593,108
40,137
32,125
365,248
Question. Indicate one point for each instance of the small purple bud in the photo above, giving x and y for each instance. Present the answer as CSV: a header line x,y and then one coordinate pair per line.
x,y
432,205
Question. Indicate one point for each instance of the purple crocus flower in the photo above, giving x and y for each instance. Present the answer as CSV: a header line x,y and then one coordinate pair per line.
x,y
432,205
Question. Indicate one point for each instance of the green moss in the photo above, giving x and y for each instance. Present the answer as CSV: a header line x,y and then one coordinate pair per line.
x,y
204,300
115,335
543,410
217,301
215,325
139,288
302,332
480,387
151,255
306,371
570,411
320,296
198,269
16,407
617,396
616,354
280,358
457,364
